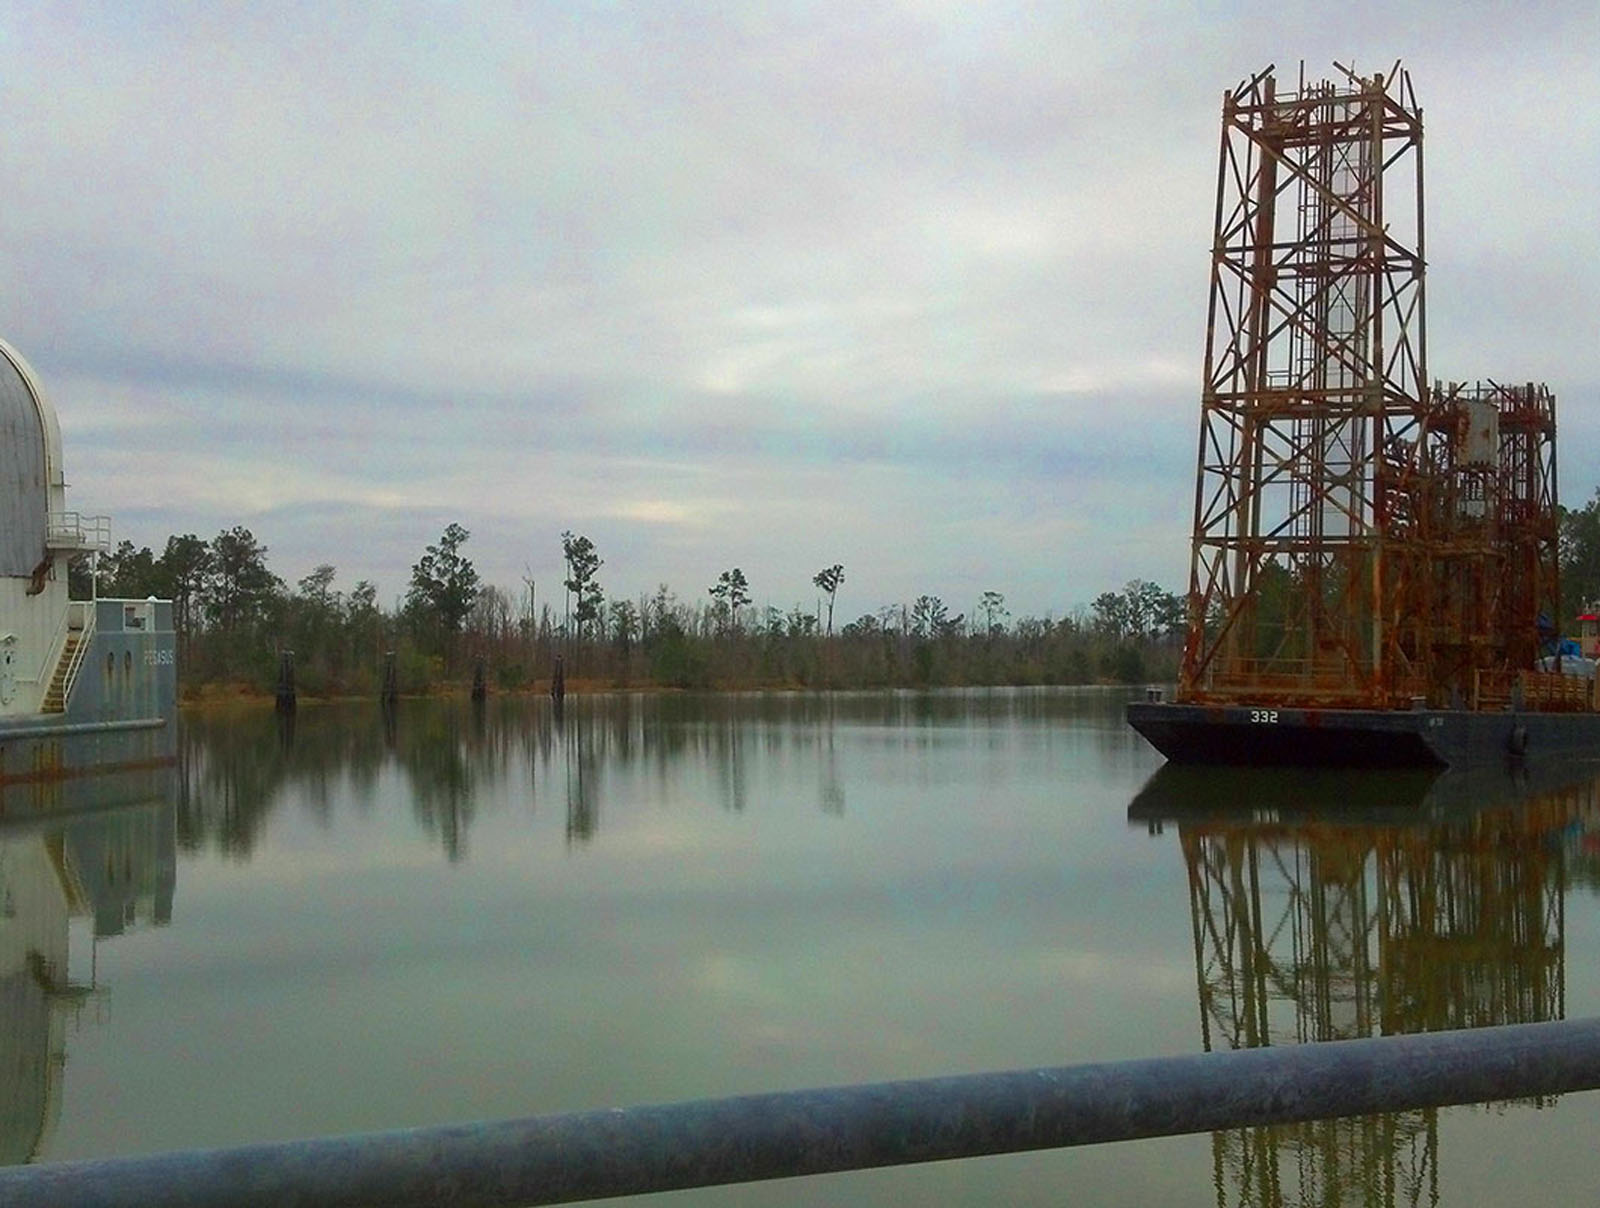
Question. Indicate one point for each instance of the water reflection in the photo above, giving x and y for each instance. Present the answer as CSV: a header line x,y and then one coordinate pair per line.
x,y
236,766
1341,905
582,766
444,755
104,852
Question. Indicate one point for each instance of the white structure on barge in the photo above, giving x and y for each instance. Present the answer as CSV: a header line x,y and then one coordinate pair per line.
x,y
84,684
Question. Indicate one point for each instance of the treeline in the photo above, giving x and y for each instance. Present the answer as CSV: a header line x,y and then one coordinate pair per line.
x,y
234,616
1579,543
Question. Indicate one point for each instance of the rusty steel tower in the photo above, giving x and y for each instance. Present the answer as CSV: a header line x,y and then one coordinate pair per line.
x,y
1360,540
1307,544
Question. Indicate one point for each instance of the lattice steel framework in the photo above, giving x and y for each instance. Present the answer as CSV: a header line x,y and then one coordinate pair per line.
x,y
1491,517
1308,553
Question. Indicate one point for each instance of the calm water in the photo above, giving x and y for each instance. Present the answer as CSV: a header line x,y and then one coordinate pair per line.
x,y
466,915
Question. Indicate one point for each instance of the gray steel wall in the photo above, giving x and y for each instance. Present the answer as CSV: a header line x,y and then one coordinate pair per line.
x,y
24,495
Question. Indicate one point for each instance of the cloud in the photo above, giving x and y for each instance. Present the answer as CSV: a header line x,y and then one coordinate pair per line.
x,y
920,288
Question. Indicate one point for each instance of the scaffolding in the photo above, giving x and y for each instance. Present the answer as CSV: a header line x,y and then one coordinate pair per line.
x,y
1359,540
1492,519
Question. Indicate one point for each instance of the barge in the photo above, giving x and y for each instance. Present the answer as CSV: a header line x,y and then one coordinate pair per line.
x,y
1374,576
86,685
1376,738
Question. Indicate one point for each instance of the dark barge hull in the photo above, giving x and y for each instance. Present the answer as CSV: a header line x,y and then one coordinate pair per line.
x,y
1370,738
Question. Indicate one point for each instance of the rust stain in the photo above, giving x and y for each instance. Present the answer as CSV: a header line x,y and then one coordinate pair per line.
x,y
53,771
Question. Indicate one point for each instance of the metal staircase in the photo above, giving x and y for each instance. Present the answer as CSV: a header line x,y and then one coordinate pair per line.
x,y
55,697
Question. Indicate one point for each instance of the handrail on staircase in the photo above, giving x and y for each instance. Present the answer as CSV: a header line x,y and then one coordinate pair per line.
x,y
75,660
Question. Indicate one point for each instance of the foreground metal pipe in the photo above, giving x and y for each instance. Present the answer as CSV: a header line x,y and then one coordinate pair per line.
x,y
591,1155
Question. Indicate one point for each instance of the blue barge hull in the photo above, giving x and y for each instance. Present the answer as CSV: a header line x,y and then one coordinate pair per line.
x,y
121,713
1373,738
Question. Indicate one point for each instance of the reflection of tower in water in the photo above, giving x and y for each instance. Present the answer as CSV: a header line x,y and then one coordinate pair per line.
x,y
116,870
1315,929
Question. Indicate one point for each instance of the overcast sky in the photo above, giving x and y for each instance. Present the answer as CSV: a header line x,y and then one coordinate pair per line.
x,y
918,288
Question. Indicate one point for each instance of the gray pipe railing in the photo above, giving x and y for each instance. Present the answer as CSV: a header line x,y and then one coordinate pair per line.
x,y
596,1154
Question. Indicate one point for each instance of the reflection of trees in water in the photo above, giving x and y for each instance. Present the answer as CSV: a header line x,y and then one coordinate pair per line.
x,y
233,768
832,783
722,732
1312,928
237,766
444,760
229,777
727,753
598,736
451,753
582,737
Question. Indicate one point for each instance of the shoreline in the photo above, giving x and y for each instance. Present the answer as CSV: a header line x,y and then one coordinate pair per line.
x,y
220,698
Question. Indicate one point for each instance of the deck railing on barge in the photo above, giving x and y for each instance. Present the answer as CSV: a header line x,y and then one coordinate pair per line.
x,y
1535,691
1493,690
